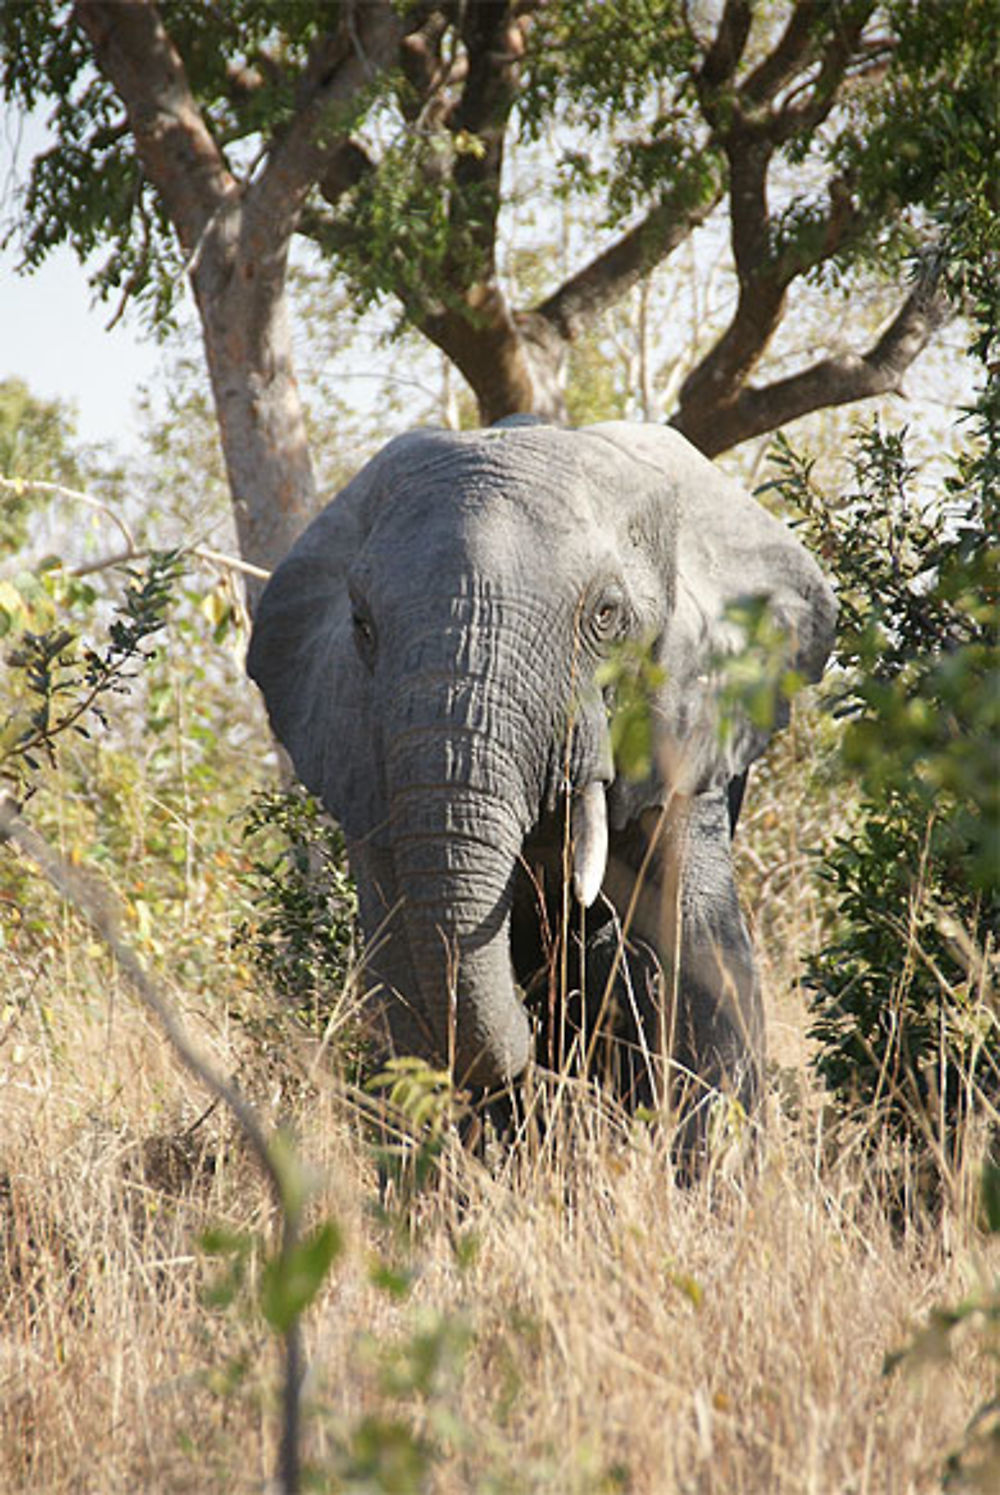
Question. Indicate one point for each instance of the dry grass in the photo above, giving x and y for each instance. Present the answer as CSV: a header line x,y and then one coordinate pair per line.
x,y
597,1327
563,1320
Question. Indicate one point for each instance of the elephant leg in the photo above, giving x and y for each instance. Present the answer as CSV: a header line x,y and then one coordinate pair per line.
x,y
589,994
673,870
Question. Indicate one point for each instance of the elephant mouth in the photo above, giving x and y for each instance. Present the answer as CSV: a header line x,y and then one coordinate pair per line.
x,y
570,844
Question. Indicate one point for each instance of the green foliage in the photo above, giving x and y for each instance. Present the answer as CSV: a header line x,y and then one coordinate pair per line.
x,y
932,134
289,1282
66,682
36,444
631,678
419,1109
418,1377
905,1009
619,89
394,233
626,74
88,189
302,934
756,680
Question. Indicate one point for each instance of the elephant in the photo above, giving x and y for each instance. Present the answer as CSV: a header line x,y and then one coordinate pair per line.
x,y
436,653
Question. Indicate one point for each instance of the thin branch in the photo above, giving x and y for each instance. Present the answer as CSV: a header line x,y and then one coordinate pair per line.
x,y
132,551
834,61
18,486
200,552
795,47
227,562
98,906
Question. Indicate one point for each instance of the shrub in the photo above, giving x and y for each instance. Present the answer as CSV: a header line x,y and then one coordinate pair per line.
x,y
302,933
904,1009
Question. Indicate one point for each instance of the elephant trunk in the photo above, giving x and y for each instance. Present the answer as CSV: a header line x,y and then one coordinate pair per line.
x,y
459,813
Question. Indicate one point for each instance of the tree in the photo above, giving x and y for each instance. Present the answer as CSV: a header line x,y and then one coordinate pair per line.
x,y
194,141
36,442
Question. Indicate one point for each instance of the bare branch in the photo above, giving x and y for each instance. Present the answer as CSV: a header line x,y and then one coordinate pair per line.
x,y
429,74
723,56
18,486
795,46
217,558
715,427
132,550
227,562
99,907
608,277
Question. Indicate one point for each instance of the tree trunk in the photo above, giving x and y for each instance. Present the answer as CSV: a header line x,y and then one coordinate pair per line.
x,y
261,425
514,362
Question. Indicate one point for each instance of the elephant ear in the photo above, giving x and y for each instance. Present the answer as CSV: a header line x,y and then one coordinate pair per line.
x,y
729,550
302,654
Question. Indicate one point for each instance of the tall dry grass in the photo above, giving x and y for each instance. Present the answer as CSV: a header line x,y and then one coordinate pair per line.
x,y
564,1318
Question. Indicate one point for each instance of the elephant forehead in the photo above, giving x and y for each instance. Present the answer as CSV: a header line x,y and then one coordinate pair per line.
x,y
507,504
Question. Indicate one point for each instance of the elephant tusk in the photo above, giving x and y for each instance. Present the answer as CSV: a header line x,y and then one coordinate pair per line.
x,y
589,831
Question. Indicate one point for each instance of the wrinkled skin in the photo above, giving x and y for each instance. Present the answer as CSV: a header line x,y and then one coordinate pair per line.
x,y
427,653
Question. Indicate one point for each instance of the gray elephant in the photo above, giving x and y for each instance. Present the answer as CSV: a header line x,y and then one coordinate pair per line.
x,y
429,654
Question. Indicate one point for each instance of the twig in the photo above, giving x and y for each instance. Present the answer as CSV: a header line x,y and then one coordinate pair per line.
x,y
98,906
18,486
230,562
132,551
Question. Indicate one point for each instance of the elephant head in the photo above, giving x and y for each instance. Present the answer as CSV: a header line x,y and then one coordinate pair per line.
x,y
429,655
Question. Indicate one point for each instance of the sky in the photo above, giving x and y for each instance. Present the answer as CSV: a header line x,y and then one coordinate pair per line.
x,y
53,332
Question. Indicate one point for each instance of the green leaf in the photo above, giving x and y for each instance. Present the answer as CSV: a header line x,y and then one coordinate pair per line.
x,y
290,1281
396,1281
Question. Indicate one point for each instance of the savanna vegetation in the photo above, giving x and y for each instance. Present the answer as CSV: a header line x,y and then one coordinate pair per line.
x,y
564,1316
206,1195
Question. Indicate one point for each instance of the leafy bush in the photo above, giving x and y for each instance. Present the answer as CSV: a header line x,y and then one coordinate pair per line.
x,y
302,934
905,1011
63,680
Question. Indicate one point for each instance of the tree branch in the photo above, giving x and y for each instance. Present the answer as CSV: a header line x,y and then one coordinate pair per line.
x,y
494,45
341,64
803,118
346,164
795,46
723,56
99,908
832,381
176,148
608,277
131,551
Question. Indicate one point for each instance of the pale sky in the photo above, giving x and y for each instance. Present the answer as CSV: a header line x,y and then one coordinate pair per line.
x,y
53,332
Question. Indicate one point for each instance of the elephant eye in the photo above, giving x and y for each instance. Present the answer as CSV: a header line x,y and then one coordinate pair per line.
x,y
364,633
607,617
